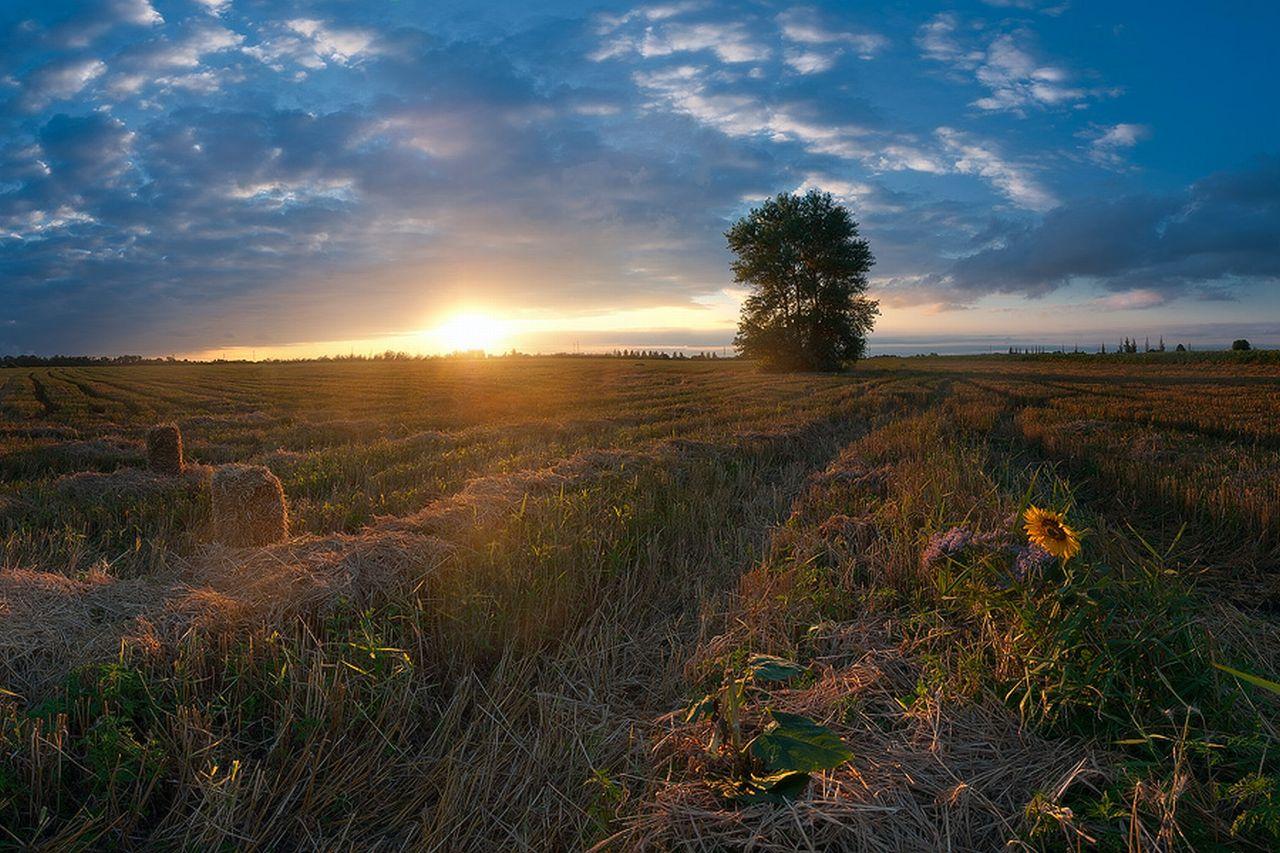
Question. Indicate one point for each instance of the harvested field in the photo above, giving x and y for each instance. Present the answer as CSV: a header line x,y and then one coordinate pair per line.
x,y
504,581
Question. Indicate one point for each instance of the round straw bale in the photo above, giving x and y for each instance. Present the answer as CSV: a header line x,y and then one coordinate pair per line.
x,y
164,449
248,506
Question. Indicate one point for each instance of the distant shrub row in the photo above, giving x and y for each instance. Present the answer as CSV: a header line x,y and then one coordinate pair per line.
x,y
1252,356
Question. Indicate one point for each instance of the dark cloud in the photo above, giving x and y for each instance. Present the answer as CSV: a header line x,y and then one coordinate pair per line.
x,y
77,23
1225,226
85,151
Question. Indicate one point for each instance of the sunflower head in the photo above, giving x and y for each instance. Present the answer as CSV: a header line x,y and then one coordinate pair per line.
x,y
1047,529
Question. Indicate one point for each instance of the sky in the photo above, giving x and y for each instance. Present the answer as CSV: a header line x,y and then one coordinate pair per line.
x,y
276,178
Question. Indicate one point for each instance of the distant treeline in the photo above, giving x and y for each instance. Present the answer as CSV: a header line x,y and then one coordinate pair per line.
x,y
1250,356
661,355
389,355
1129,346
1123,352
78,360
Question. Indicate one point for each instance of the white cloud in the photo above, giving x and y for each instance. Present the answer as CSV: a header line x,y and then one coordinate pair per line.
x,y
36,224
867,45
334,44
93,18
1017,80
729,42
1122,135
687,89
1053,8
937,41
121,85
1108,144
899,157
607,23
313,44
810,61
1015,182
847,190
59,80
715,97
160,60
138,12
1014,77
205,81
275,193
669,10
188,51
809,45
804,26
863,197
215,7
683,89
655,31
276,50
1134,300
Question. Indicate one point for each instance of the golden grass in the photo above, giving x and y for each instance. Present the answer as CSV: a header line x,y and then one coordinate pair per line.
x,y
505,578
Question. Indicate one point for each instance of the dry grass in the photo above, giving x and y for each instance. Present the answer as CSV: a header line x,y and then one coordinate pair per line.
x,y
230,588
504,577
164,449
937,775
248,506
129,483
52,623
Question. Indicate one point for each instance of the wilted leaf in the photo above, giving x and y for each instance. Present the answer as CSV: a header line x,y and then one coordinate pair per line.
x,y
770,668
700,709
772,788
796,743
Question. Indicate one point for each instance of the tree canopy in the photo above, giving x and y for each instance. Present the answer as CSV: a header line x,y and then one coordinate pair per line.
x,y
807,269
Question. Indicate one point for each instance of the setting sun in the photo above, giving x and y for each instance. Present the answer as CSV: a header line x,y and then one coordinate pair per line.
x,y
470,331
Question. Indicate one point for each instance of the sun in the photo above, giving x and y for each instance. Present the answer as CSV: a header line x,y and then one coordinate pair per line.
x,y
470,331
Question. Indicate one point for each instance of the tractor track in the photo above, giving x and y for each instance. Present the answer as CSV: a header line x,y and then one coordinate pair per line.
x,y
42,397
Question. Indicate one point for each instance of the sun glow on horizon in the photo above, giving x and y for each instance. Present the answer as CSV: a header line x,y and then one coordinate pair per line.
x,y
470,330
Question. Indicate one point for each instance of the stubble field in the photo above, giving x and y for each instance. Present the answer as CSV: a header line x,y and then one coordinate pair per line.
x,y
506,579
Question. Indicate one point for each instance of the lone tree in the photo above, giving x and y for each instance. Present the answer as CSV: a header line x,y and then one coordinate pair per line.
x,y
807,270
1241,345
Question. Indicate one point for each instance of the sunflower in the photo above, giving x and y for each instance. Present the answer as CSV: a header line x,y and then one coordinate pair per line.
x,y
1047,529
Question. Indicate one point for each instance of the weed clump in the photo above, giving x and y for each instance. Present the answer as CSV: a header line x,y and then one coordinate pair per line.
x,y
164,449
248,506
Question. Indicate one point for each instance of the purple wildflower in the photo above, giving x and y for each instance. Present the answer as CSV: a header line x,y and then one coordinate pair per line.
x,y
946,544
1030,561
992,540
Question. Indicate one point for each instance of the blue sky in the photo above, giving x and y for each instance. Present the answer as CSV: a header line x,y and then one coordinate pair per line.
x,y
234,176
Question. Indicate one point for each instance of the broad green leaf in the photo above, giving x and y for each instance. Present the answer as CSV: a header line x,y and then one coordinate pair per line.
x,y
770,668
1256,680
796,743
